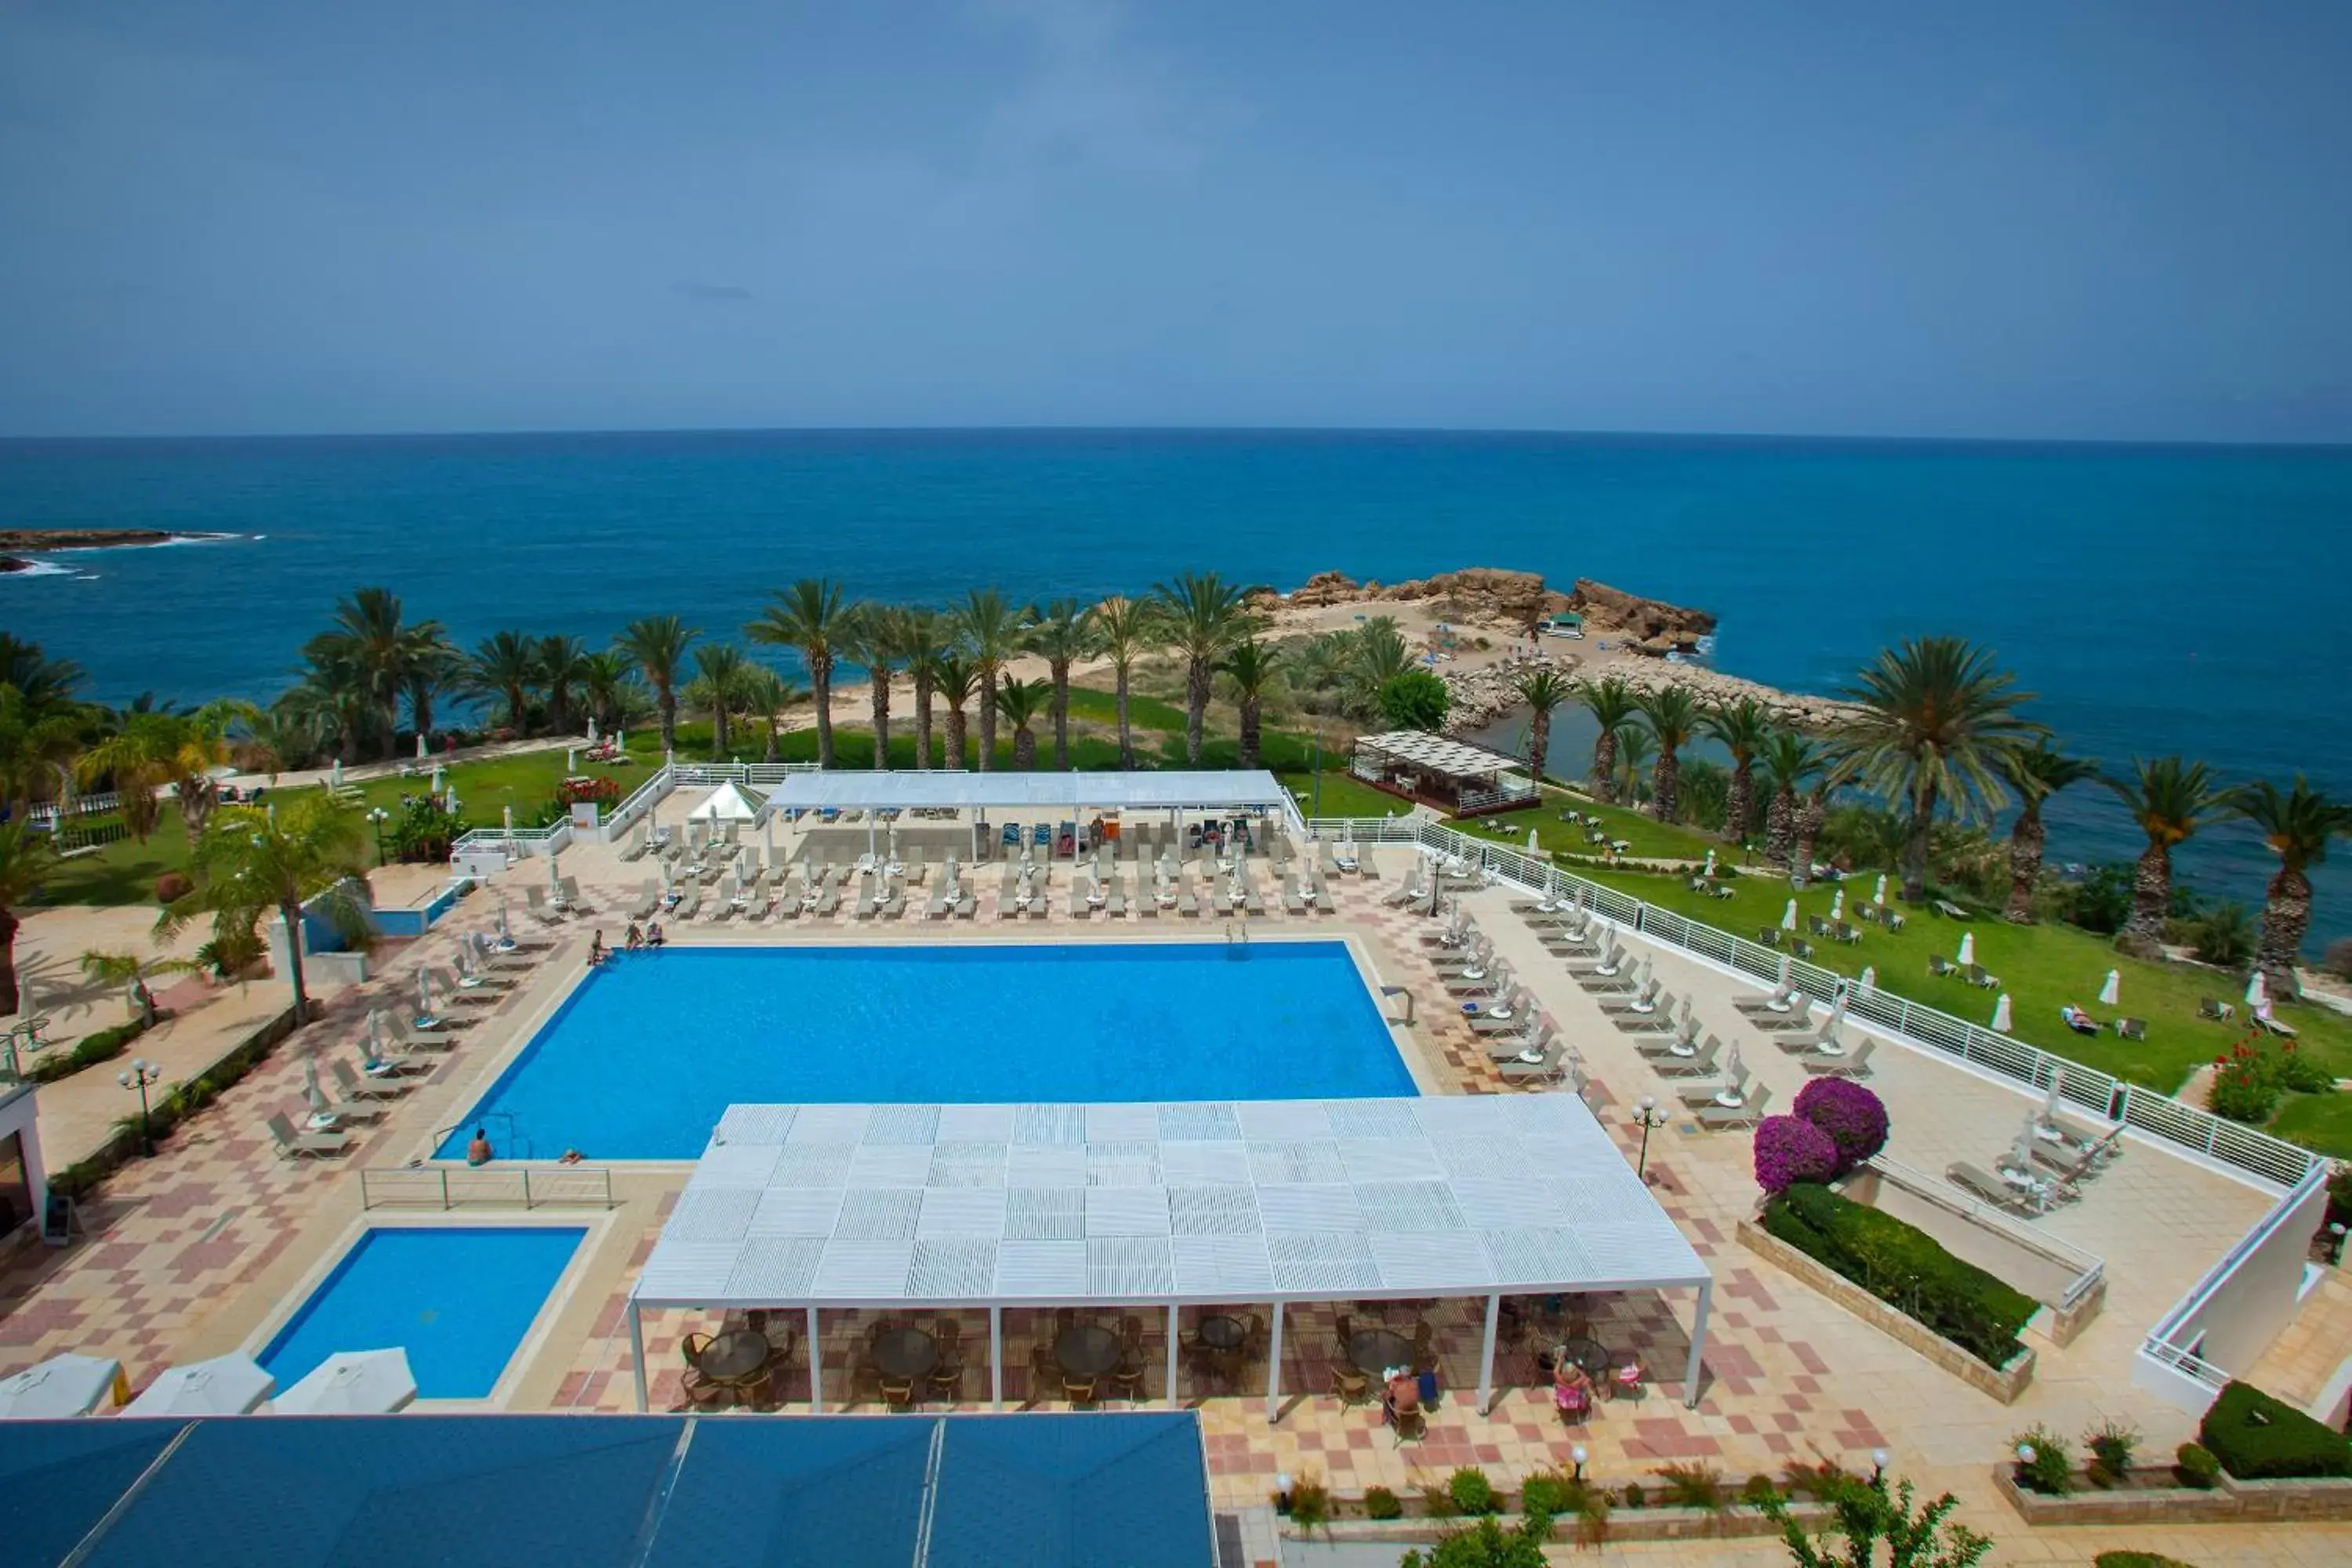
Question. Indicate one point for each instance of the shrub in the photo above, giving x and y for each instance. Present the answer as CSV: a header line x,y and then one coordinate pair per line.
x,y
1758,1491
1415,700
1311,1504
1381,1503
103,1046
1789,1150
2244,1087
1854,1117
1633,1495
1691,1486
2137,1560
1436,1502
1903,1267
2223,937
1547,1494
1472,1492
2256,1436
172,887
2302,1073
1816,1481
2193,1464
2111,1449
602,788
1486,1544
2050,1470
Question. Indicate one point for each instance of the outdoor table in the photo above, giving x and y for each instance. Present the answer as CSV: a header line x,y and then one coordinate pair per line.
x,y
734,1356
1830,1048
1086,1350
1219,1332
1374,1351
1682,1048
1587,1353
906,1353
1729,1101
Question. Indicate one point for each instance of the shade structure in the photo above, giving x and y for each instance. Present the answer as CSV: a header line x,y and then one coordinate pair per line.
x,y
1710,861
1245,788
2002,1019
1789,916
420,746
2112,992
1967,947
232,1384
1869,981
352,1382
313,1095
728,802
62,1385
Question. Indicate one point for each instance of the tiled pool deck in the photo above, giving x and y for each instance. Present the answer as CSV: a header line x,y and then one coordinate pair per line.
x,y
190,1252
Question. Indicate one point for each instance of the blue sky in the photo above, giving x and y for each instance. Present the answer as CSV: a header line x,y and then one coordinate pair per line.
x,y
2080,220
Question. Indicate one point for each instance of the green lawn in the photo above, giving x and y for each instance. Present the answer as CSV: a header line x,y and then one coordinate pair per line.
x,y
2042,968
1651,839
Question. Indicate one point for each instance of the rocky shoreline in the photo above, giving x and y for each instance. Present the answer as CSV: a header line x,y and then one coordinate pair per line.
x,y
18,542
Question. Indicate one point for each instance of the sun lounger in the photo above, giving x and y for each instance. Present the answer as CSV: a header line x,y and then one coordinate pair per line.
x,y
1940,966
1780,1002
1658,1047
1696,1095
867,897
893,901
1502,1047
534,901
568,894
1982,978
936,907
1721,1118
1292,903
1038,903
1980,1182
1855,1063
1698,1066
370,1086
1798,1015
648,899
293,1145
1404,893
1364,867
1544,1071
1508,1016
2219,1012
1115,899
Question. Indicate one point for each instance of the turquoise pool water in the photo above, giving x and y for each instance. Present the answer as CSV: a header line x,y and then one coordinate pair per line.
x,y
458,1299
647,1053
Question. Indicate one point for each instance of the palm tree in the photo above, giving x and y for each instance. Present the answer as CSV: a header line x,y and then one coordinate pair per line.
x,y
1610,703
990,626
1934,718
1252,669
919,643
1807,826
767,695
1060,635
327,708
719,671
2035,773
1020,702
1202,616
1543,691
871,641
45,682
506,665
1741,727
657,644
1378,655
2296,825
1673,714
605,677
139,760
563,664
1122,629
26,859
250,861
434,665
1635,747
39,739
129,971
2170,799
1790,760
957,678
369,635
810,616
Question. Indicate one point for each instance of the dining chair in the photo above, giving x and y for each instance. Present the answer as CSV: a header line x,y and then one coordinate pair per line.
x,y
1133,1366
898,1393
947,1373
1078,1390
692,1347
1352,1386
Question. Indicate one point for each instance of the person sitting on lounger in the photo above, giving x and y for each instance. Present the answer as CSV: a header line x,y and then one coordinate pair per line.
x,y
2082,1023
1402,1397
596,950
654,937
635,938
478,1152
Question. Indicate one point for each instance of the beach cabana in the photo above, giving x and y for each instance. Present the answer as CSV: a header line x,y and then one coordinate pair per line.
x,y
728,802
1453,774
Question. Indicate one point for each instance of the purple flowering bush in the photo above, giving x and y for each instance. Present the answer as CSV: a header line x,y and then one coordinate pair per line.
x,y
1789,1150
1854,1119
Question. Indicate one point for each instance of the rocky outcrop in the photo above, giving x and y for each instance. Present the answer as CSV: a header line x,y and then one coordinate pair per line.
x,y
1651,626
1483,594
81,538
1791,709
1327,588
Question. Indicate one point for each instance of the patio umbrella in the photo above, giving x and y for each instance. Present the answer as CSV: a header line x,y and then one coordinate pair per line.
x,y
375,1035
620,740
425,999
420,746
1642,972
1837,905
1878,894
1789,916
554,877
232,1384
451,803
1837,1011
508,813
440,778
592,728
1685,1016
2258,994
335,773
1732,1066
2021,1154
1532,850
1710,863
352,1382
768,834
310,1089
2001,1015
2050,1105
506,935
1783,977
2112,992
1869,981
60,1387
1967,948
571,759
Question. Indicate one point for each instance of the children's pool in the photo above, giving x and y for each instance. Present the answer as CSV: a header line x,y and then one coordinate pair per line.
x,y
458,1299
649,1051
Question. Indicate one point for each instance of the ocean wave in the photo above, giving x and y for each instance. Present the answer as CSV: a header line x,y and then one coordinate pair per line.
x,y
33,568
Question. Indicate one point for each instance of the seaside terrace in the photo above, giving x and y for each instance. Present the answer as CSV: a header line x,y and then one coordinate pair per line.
x,y
735,1274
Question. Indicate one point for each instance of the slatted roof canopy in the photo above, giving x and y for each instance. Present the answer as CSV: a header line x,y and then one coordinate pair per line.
x,y
1208,789
1456,759
1193,1203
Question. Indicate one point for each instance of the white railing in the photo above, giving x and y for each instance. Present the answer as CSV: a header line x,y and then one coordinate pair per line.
x,y
737,772
2183,1322
1481,799
506,1186
2104,1095
82,806
646,796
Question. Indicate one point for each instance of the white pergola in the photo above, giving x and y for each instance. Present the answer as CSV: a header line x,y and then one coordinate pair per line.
x,y
1438,754
900,1207
1246,788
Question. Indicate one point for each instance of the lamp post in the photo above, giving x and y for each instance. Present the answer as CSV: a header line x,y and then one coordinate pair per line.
x,y
142,1073
1580,1454
1651,1116
377,817
1877,1465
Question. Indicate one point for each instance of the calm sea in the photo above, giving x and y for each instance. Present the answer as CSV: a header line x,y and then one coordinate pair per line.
x,y
2156,598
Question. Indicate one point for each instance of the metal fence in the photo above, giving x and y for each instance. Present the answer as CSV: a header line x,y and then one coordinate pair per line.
x,y
2183,1322
2159,1115
502,1186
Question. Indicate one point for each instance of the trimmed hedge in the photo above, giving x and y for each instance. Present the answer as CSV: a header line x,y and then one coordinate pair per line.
x,y
1905,1268
2257,1437
91,1049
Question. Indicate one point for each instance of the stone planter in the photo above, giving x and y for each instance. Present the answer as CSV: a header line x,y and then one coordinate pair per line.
x,y
2004,1383
2310,1497
2264,1501
1737,1522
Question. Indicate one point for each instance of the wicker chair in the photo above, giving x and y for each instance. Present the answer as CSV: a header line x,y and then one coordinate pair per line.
x,y
947,1373
1352,1386
1133,1367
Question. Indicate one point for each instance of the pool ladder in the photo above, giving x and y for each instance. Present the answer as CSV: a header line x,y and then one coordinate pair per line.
x,y
519,1147
1237,935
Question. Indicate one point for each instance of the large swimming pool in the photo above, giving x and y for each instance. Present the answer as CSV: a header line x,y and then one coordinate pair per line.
x,y
458,1299
649,1052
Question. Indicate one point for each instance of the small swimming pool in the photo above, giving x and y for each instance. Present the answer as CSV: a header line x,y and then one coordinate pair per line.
x,y
647,1053
458,1299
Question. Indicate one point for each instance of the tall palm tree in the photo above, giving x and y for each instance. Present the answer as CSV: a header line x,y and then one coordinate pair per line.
x,y
2297,824
1252,670
870,640
328,707
605,683
957,678
2170,799
506,665
45,682
26,860
657,644
919,641
813,616
1020,702
767,694
1673,714
563,666
1059,635
989,627
1935,718
1122,629
250,861
139,759
1378,655
1811,816
1741,727
2033,774
434,665
720,672
1202,616
1543,691
1635,746
1610,702
368,633
39,739
1789,761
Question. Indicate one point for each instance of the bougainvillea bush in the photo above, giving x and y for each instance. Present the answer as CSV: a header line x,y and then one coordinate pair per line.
x,y
1789,1150
1854,1119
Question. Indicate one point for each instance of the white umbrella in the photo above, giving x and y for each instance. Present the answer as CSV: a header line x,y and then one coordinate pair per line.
x,y
1869,981
2001,1020
592,728
1837,1011
335,773
620,740
1878,895
310,1089
60,1387
506,935
571,759
1967,948
426,1016
509,814
1837,905
554,877
2021,1154
352,1382
1789,916
1642,972
768,834
440,778
451,803
420,746
2112,992
375,1035
2050,1106
1782,978
2258,994
1732,1064
232,1384
1531,842
1710,863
